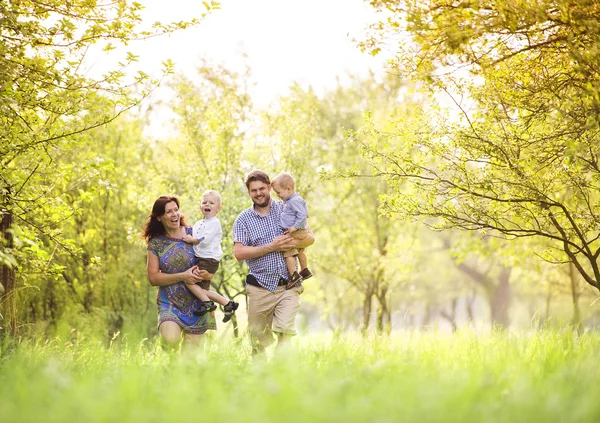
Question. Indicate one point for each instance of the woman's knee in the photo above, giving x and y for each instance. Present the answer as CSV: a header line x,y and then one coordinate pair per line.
x,y
170,333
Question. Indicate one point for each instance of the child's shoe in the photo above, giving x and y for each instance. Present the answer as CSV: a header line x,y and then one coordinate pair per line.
x,y
229,309
294,280
205,307
305,273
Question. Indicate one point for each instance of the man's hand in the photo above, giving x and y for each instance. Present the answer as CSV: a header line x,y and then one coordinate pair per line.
x,y
282,243
306,241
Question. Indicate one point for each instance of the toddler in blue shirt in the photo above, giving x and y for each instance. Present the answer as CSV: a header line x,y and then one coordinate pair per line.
x,y
294,221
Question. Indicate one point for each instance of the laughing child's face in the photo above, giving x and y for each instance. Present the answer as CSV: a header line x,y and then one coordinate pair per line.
x,y
283,193
210,205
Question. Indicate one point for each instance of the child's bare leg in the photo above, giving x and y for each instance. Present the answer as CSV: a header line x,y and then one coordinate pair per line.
x,y
216,297
303,260
290,262
198,292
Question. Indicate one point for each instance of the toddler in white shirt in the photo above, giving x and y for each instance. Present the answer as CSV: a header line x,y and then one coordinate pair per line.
x,y
206,237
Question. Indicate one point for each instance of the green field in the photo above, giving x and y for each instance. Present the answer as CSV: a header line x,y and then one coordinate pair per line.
x,y
546,376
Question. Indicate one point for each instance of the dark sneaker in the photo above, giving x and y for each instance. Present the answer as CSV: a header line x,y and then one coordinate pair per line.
x,y
205,307
305,273
229,309
231,306
294,280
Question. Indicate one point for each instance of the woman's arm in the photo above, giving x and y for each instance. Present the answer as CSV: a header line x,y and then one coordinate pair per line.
x,y
158,278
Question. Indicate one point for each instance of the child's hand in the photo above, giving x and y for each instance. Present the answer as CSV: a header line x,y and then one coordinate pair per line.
x,y
291,230
189,239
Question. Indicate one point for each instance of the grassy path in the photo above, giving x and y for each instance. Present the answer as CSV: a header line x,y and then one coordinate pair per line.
x,y
542,376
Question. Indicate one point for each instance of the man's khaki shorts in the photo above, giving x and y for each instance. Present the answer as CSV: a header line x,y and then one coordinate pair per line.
x,y
270,312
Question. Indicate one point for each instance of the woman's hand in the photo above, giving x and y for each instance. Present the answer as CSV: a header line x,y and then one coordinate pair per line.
x,y
191,276
203,274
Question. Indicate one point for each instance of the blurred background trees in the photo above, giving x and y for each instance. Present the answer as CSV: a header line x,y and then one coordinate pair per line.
x,y
459,189
521,158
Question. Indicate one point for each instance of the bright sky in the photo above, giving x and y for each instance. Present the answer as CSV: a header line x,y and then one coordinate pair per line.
x,y
307,41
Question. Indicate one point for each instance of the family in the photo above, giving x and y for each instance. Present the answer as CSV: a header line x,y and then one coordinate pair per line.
x,y
270,236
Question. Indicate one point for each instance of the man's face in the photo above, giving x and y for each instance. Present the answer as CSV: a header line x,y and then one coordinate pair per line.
x,y
259,193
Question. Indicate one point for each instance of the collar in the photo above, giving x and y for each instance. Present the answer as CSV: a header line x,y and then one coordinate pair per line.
x,y
292,196
253,208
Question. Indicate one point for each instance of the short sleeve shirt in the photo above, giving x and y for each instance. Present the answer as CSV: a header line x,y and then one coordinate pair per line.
x,y
254,230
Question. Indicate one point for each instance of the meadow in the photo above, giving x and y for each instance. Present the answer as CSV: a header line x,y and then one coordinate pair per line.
x,y
546,376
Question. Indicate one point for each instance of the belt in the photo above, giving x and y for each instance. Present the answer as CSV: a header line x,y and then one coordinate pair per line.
x,y
251,280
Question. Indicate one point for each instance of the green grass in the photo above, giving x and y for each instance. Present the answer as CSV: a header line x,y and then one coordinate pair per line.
x,y
548,376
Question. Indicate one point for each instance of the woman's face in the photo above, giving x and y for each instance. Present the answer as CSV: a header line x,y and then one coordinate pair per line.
x,y
171,218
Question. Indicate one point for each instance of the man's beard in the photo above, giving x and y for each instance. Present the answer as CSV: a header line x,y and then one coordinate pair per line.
x,y
264,203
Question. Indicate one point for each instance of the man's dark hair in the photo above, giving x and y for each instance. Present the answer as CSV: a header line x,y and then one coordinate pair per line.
x,y
257,175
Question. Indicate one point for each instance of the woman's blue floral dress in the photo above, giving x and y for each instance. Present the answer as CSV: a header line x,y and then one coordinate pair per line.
x,y
175,302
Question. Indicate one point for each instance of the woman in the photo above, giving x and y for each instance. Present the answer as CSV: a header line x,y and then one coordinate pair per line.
x,y
170,267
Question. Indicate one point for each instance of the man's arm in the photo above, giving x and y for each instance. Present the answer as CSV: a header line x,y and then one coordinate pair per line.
x,y
245,252
279,243
308,240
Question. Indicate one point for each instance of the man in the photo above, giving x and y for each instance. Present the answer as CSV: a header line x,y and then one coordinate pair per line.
x,y
257,240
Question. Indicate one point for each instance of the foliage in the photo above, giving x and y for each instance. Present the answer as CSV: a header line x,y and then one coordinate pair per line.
x,y
521,157
49,99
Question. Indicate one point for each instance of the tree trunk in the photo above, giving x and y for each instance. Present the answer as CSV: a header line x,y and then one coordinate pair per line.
x,y
384,321
548,303
498,294
574,295
426,317
500,299
367,307
469,301
450,316
8,300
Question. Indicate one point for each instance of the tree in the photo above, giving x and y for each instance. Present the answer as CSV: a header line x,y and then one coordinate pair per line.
x,y
494,280
522,158
48,99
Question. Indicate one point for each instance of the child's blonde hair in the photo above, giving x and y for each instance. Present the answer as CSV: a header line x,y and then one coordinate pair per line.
x,y
215,193
284,180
